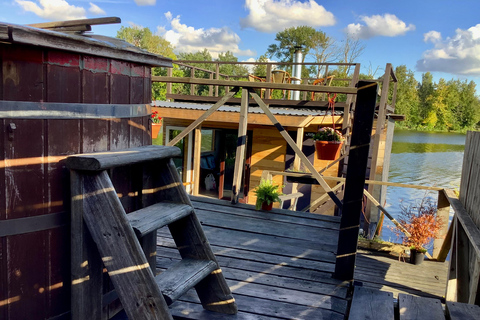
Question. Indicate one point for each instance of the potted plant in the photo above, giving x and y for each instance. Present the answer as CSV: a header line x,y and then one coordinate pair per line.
x,y
267,193
156,124
328,143
422,223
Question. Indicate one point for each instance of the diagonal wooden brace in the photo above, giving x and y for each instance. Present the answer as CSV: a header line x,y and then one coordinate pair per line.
x,y
297,150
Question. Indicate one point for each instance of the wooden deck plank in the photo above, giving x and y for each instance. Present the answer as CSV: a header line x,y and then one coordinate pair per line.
x,y
227,207
282,229
387,273
267,244
297,261
411,307
463,311
368,304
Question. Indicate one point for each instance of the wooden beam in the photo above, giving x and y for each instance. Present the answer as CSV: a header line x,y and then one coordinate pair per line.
x,y
241,144
372,214
71,23
202,118
297,150
355,181
256,85
297,104
443,215
197,153
446,245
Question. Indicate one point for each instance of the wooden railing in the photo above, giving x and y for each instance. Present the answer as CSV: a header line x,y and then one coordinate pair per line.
x,y
215,74
464,272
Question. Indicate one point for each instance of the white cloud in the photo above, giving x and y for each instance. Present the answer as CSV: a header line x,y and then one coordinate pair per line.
x,y
458,55
432,36
275,15
53,9
189,39
94,9
145,2
387,25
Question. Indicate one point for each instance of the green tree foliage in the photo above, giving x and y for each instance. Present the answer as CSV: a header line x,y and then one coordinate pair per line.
x,y
407,100
261,70
145,39
446,105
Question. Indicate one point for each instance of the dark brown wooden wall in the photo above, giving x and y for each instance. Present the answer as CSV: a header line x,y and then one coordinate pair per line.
x,y
35,266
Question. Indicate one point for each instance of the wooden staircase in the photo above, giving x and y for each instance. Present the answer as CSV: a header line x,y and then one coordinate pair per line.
x,y
126,242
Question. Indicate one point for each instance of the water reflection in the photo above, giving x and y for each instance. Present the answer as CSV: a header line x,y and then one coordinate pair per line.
x,y
408,147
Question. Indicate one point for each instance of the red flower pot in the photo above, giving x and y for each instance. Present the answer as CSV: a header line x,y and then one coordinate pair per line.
x,y
156,129
328,150
267,207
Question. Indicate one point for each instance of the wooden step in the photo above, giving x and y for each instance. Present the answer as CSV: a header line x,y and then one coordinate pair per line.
x,y
183,276
462,311
154,217
109,159
371,304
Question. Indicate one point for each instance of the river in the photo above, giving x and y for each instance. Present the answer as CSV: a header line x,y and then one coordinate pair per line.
x,y
421,158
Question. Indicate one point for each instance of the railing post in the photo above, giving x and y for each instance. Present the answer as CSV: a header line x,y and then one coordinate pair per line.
x,y
169,84
268,80
217,74
210,87
443,213
355,181
192,86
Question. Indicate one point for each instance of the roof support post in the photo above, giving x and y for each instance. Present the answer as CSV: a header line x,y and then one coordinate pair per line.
x,y
241,144
355,180
372,214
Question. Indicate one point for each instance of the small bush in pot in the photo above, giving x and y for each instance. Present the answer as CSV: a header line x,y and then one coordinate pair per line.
x,y
267,193
423,224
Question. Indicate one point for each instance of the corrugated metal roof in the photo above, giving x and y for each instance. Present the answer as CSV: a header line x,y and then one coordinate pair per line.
x,y
252,109
95,45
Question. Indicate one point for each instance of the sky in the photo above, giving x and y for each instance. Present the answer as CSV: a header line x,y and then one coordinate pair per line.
x,y
442,37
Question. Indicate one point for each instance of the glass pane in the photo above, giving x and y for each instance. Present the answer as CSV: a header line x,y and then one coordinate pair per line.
x,y
178,161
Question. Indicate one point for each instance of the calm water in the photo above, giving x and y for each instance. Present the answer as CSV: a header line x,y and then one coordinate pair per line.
x,y
429,159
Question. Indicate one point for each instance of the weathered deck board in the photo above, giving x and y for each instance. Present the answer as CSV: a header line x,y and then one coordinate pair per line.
x,y
278,264
388,274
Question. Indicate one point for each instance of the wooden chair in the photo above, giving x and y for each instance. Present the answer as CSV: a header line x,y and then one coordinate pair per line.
x,y
322,81
280,76
253,78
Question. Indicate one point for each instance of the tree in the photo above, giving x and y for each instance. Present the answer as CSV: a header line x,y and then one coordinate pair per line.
x,y
426,94
145,39
260,70
231,69
407,100
289,39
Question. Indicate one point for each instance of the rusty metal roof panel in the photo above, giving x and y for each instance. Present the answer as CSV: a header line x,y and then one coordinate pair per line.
x,y
252,109
95,45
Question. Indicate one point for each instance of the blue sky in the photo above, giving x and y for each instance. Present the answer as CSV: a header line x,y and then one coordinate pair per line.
x,y
442,37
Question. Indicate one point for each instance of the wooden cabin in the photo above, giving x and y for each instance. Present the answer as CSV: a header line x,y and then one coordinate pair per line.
x,y
266,150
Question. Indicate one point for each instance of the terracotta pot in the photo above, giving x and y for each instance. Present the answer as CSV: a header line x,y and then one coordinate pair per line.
x,y
416,257
328,150
267,207
156,129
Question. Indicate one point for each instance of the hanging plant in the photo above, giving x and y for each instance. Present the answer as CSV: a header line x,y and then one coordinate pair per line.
x,y
328,143
156,124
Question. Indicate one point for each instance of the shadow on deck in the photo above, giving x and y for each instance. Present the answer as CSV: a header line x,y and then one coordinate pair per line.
x,y
279,264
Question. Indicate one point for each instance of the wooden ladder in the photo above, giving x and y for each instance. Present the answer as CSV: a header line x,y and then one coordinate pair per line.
x,y
117,236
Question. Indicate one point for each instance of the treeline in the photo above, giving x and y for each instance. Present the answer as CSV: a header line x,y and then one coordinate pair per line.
x,y
445,106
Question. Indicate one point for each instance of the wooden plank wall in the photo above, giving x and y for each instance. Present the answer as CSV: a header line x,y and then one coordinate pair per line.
x,y
35,266
268,153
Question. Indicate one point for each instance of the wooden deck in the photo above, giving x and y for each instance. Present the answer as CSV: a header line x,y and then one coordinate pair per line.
x,y
279,264
381,271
